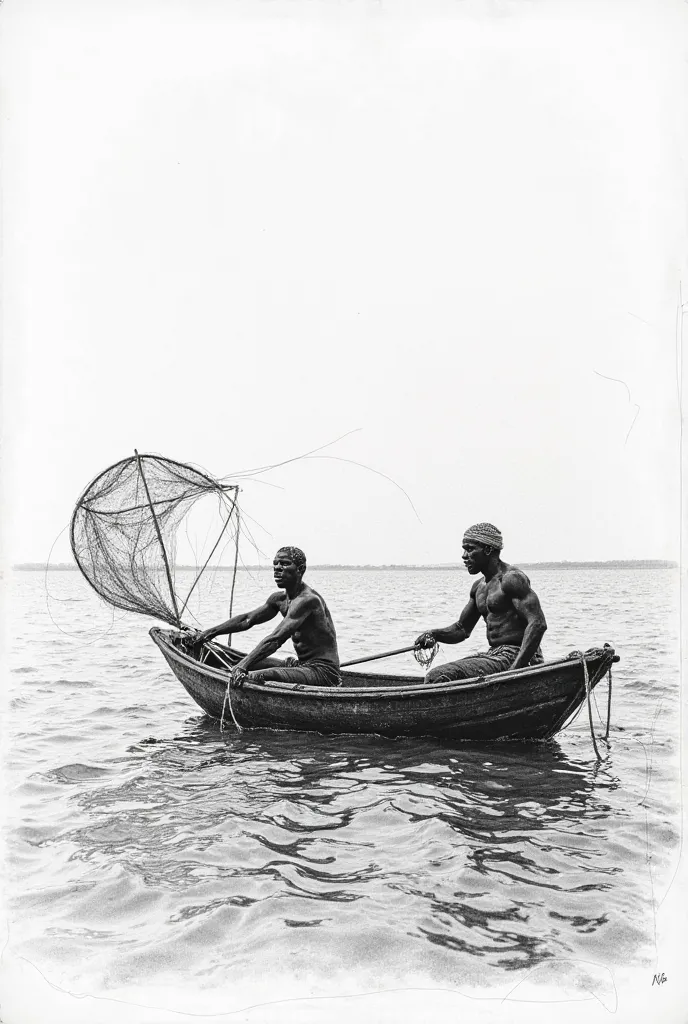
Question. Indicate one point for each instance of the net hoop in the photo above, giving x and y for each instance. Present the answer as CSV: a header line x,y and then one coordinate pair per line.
x,y
121,547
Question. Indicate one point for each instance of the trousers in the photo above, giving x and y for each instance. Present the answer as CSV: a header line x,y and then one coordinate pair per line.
x,y
312,673
497,659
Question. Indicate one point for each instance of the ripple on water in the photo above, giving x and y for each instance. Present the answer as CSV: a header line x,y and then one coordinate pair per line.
x,y
145,844
77,773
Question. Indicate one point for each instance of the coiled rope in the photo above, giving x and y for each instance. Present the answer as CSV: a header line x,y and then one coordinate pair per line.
x,y
426,655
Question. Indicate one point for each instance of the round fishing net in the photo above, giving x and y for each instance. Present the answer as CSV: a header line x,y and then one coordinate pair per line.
x,y
124,531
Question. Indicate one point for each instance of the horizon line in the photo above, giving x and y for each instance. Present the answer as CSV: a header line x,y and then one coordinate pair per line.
x,y
572,563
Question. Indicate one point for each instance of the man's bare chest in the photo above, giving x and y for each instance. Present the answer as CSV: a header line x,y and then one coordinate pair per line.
x,y
491,599
295,602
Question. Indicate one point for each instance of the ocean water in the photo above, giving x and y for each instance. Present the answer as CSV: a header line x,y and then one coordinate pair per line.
x,y
146,852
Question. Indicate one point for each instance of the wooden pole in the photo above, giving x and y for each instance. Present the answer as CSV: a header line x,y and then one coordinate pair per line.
x,y
236,563
205,564
220,654
376,657
162,543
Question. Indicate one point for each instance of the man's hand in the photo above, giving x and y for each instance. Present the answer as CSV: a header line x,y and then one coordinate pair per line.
x,y
192,637
425,640
201,637
238,677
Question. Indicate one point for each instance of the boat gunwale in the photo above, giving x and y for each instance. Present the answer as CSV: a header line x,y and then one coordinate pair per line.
x,y
417,688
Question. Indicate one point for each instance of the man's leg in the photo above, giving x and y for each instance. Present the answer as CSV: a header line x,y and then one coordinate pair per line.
x,y
306,675
499,660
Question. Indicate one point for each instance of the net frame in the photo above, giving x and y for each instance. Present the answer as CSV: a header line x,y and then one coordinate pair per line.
x,y
125,548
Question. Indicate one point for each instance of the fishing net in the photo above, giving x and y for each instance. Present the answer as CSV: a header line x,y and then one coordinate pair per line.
x,y
123,531
426,655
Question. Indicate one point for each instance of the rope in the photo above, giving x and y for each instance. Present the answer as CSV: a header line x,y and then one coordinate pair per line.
x,y
426,655
587,691
609,703
220,654
227,702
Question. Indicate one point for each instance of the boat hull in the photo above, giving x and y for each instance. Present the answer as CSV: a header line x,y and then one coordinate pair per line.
x,y
529,704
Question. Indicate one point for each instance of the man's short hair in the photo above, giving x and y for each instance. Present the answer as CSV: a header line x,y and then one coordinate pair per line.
x,y
297,556
485,533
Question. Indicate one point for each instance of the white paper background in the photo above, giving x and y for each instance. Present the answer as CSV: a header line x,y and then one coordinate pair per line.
x,y
233,232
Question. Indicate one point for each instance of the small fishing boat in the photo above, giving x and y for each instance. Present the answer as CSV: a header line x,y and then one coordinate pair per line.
x,y
531,703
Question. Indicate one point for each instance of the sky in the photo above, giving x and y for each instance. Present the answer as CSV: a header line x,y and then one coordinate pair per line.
x,y
454,232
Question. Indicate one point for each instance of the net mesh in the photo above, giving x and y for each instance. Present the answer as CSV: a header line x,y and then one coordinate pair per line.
x,y
124,531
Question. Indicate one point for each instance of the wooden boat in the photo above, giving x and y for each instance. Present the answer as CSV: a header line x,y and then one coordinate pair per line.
x,y
530,703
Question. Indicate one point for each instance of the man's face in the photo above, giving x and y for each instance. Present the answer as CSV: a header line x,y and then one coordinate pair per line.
x,y
475,556
285,570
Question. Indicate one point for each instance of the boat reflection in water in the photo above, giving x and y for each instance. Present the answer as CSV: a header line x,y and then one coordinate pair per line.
x,y
497,854
357,857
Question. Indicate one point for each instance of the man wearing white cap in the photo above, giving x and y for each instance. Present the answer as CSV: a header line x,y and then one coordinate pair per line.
x,y
510,607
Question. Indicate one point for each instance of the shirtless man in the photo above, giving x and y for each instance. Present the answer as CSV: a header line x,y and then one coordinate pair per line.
x,y
504,598
306,620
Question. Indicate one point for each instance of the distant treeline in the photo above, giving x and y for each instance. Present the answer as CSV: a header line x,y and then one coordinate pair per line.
x,y
647,563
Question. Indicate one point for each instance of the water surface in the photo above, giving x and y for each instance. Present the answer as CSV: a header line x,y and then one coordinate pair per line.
x,y
146,849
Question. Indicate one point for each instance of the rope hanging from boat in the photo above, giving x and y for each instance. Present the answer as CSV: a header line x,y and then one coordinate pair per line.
x,y
227,702
210,647
588,694
594,652
609,704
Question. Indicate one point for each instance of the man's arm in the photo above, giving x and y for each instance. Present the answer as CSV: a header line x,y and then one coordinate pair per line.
x,y
246,620
298,612
459,630
526,602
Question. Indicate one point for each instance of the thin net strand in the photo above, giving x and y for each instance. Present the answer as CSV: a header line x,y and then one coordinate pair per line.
x,y
124,528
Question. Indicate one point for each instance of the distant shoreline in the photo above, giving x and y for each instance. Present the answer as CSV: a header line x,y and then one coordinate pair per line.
x,y
612,564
